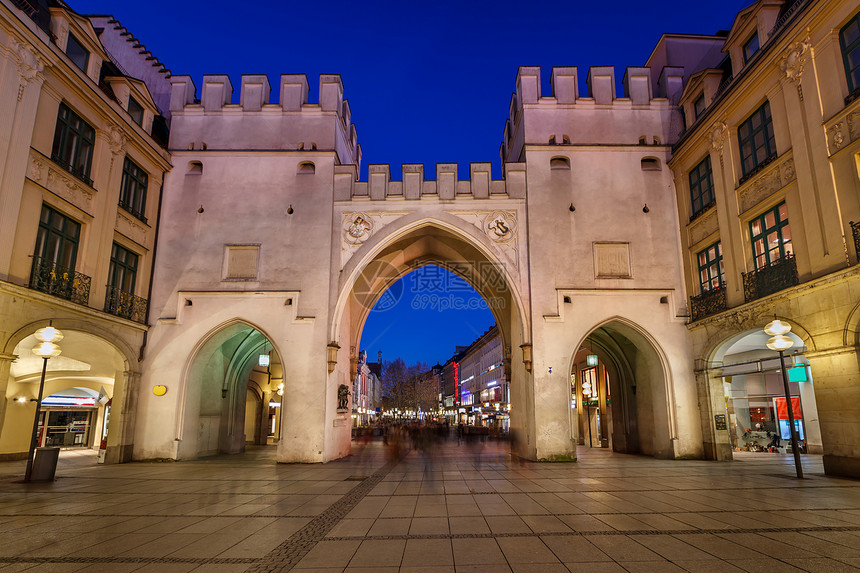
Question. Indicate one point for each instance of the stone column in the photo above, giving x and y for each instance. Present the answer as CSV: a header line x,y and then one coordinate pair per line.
x,y
837,393
716,437
5,363
21,82
120,443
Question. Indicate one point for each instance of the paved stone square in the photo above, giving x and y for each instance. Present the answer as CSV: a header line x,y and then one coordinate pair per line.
x,y
460,509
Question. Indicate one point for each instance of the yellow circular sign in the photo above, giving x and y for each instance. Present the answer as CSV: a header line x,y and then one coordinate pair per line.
x,y
159,390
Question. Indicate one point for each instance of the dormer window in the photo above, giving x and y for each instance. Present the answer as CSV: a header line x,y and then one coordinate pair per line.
x,y
751,47
699,105
77,53
135,110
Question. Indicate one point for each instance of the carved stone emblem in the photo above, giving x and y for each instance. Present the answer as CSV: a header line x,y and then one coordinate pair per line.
x,y
357,228
792,63
501,226
36,170
719,133
29,65
116,140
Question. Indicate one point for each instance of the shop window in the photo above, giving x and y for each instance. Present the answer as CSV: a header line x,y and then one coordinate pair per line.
x,y
710,263
770,236
132,195
755,139
74,140
701,186
849,41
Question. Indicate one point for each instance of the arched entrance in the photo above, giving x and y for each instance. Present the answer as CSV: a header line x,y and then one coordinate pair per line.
x,y
377,265
234,363
85,396
747,378
618,392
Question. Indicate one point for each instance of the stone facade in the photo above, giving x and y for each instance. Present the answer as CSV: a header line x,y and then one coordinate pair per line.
x,y
270,245
70,277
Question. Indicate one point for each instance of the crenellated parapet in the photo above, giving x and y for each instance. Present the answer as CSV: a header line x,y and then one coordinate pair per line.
x,y
599,117
414,186
214,122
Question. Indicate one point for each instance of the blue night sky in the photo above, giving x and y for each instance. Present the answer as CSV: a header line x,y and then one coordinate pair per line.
x,y
426,82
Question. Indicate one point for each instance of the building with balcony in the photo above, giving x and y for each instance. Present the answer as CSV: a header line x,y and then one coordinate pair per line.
x,y
767,192
83,145
482,384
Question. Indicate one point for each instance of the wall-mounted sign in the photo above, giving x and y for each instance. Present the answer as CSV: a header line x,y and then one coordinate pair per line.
x,y
159,390
720,422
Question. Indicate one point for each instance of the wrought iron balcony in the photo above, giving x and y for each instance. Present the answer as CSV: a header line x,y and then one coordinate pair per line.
x,y
855,233
778,275
125,305
48,277
709,302
78,172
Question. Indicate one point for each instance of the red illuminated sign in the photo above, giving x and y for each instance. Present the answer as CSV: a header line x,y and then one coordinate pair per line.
x,y
456,383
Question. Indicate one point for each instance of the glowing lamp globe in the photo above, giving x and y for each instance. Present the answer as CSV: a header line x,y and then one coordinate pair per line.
x,y
48,334
779,342
47,350
777,327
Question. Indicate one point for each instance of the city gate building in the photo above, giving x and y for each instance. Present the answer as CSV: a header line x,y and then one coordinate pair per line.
x,y
725,170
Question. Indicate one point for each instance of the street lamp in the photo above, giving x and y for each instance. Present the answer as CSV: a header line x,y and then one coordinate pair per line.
x,y
778,341
47,348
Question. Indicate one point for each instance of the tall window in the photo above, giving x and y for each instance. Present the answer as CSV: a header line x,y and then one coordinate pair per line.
x,y
755,137
57,240
711,267
77,53
770,236
73,144
123,269
701,186
132,195
849,39
751,47
135,110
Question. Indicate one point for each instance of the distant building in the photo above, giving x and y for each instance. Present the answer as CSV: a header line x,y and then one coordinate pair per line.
x,y
366,391
473,384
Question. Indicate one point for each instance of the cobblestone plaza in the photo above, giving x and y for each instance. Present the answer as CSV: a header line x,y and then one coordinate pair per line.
x,y
462,509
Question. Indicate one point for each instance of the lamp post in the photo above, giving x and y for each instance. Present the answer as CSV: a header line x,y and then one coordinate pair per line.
x,y
777,330
47,348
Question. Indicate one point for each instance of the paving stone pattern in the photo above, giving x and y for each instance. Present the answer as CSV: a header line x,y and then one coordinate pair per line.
x,y
459,509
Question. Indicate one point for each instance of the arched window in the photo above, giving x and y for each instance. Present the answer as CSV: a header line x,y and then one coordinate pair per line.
x,y
650,164
306,167
643,140
559,163
195,168
552,140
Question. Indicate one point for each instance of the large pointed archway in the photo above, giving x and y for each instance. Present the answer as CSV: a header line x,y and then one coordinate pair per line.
x,y
619,392
236,373
377,266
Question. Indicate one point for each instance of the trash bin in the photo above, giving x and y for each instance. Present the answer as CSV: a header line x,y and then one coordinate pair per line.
x,y
45,464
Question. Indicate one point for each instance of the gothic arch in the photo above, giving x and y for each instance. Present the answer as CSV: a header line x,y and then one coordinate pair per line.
x,y
211,341
408,225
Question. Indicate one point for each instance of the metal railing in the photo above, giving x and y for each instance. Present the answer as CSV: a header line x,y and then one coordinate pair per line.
x,y
76,171
855,234
709,302
48,277
125,305
778,275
